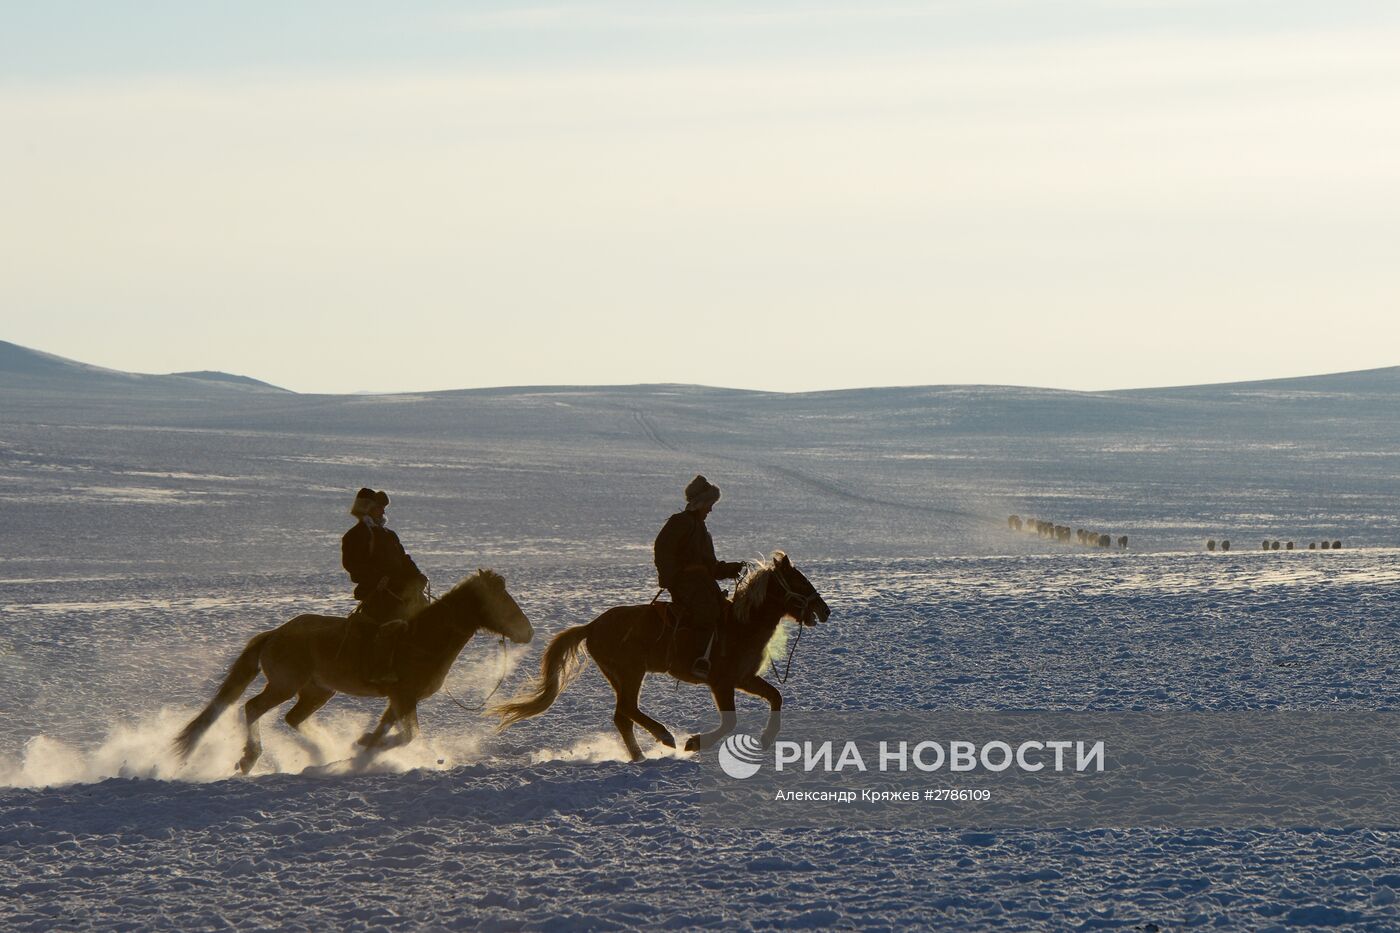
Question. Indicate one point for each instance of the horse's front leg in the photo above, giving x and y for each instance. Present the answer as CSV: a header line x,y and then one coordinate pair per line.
x,y
371,739
762,688
408,728
724,702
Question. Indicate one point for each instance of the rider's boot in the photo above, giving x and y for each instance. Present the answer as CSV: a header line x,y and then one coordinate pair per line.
x,y
701,667
380,671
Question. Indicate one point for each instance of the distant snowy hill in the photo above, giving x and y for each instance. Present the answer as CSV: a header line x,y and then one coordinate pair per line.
x,y
22,368
18,361
213,376
928,470
1383,381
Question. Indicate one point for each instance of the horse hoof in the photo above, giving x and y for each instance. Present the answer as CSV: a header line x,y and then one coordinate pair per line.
x,y
692,744
768,738
366,741
668,740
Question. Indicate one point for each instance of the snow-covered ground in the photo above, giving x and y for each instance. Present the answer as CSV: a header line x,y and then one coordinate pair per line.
x,y
151,527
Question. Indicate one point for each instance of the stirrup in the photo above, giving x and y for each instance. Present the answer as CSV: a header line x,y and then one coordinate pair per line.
x,y
701,667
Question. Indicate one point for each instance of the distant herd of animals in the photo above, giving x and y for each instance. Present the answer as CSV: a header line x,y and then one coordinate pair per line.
x,y
1063,532
1097,539
1288,545
1284,545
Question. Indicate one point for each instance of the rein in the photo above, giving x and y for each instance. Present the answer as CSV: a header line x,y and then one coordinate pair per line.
x,y
487,698
792,652
501,655
803,603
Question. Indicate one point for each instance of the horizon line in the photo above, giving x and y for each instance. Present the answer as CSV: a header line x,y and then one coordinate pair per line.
x,y
202,374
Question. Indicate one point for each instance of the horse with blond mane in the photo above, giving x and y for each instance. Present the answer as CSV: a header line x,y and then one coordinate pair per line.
x,y
628,642
313,657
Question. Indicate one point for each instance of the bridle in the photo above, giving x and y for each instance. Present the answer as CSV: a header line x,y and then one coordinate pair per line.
x,y
794,603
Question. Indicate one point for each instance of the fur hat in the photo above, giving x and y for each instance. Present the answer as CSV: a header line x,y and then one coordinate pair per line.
x,y
367,499
700,493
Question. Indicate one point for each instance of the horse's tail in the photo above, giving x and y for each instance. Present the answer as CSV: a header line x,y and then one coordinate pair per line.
x,y
557,668
240,675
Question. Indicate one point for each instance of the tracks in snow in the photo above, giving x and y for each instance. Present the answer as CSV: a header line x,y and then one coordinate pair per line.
x,y
649,431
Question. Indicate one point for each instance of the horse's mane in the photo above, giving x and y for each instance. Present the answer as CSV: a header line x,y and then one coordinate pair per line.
x,y
753,588
468,589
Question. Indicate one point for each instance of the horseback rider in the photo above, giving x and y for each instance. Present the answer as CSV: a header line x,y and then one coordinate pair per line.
x,y
387,581
686,566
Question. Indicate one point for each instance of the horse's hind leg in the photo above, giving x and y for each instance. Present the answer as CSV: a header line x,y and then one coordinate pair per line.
x,y
271,697
308,701
623,721
622,717
657,730
628,687
762,688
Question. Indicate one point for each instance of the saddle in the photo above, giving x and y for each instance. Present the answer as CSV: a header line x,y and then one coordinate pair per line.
x,y
669,613
674,618
378,642
369,628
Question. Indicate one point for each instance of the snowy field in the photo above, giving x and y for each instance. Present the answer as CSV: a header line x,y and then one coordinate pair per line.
x,y
152,525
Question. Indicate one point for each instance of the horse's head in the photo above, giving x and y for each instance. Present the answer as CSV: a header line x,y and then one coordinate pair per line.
x,y
503,614
801,599
777,578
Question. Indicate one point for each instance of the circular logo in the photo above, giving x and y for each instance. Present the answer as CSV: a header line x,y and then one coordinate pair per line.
x,y
741,756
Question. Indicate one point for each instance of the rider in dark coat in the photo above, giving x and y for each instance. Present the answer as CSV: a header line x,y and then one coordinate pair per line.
x,y
686,565
385,576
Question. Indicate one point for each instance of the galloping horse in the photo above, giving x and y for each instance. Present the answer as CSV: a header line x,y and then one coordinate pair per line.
x,y
307,657
628,642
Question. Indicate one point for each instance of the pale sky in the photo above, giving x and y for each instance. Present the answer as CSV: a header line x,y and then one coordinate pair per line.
x,y
788,195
